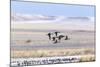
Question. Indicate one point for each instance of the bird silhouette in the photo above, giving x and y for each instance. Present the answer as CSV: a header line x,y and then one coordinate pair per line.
x,y
56,41
56,33
66,37
53,38
60,37
49,35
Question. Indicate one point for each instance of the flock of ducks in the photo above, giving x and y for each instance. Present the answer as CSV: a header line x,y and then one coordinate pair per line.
x,y
56,38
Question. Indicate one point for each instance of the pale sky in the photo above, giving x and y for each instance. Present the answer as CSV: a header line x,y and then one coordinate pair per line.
x,y
52,9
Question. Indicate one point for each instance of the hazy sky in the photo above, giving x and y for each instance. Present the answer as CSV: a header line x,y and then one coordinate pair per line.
x,y
52,9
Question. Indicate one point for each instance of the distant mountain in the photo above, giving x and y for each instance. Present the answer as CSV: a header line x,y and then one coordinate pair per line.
x,y
43,18
27,17
43,22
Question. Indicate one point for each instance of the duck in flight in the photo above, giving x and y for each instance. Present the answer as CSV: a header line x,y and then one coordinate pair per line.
x,y
49,35
66,37
56,33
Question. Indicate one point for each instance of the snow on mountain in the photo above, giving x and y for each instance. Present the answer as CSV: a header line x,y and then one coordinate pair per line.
x,y
27,17
27,21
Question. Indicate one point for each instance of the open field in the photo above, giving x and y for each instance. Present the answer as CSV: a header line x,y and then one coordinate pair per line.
x,y
38,40
81,43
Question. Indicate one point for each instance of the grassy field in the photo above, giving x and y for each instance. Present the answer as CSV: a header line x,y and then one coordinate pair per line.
x,y
51,52
80,44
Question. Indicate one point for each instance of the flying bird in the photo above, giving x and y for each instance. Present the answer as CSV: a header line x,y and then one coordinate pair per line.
x,y
49,35
56,33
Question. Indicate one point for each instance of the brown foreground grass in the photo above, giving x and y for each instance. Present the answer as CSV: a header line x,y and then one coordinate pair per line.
x,y
86,54
51,52
87,58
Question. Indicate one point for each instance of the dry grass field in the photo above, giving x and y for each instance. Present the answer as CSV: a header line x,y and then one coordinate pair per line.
x,y
81,43
86,54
